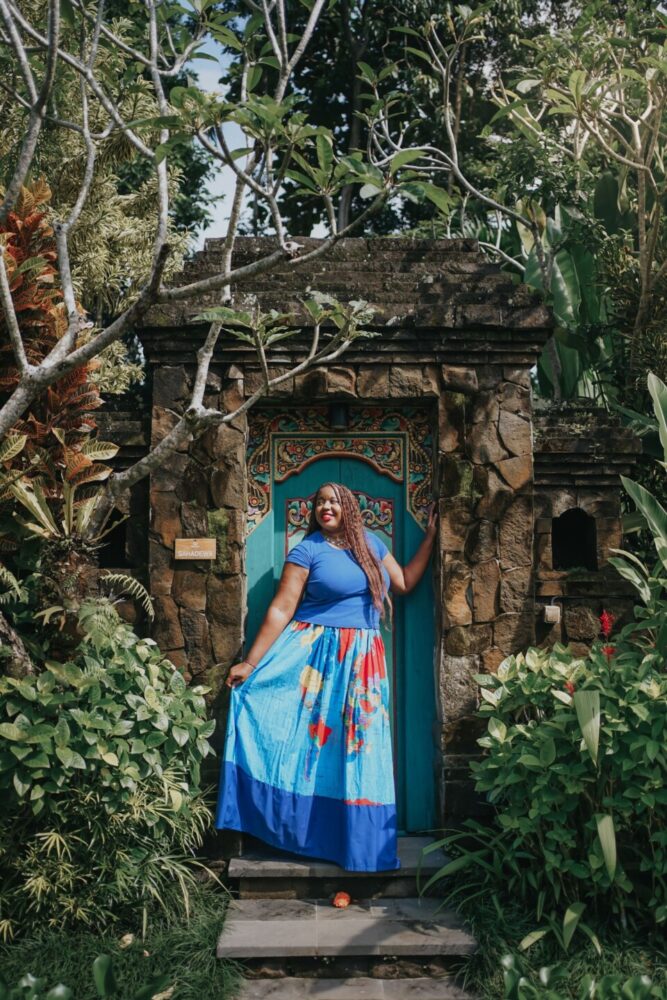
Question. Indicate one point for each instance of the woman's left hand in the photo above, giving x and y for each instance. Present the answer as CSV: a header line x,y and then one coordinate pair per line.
x,y
432,525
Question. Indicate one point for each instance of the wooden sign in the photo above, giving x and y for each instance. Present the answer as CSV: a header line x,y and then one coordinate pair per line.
x,y
195,548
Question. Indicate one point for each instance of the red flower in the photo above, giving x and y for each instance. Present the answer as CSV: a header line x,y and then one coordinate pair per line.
x,y
341,900
606,623
569,687
608,651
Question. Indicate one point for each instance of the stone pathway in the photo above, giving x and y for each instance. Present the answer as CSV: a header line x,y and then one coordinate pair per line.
x,y
295,944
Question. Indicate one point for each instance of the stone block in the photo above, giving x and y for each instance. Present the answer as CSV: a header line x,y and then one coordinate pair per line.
x,y
492,658
227,641
162,422
458,578
517,472
514,398
373,381
194,626
463,640
485,408
516,589
161,567
195,520
225,600
494,494
405,381
166,517
459,692
485,581
166,629
519,375
194,484
581,623
460,379
516,534
455,476
454,518
451,421
342,381
513,633
171,385
228,484
227,527
254,381
515,433
169,475
311,384
483,444
481,542
431,380
189,589
543,552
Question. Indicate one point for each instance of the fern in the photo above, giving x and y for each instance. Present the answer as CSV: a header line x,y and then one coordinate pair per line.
x,y
130,586
9,580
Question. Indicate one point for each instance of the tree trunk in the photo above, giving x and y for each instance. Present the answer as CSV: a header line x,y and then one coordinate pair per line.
x,y
15,661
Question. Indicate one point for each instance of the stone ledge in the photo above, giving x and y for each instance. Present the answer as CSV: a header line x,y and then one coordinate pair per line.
x,y
265,928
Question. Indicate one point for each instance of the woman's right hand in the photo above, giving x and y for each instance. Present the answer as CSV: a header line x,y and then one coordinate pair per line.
x,y
238,673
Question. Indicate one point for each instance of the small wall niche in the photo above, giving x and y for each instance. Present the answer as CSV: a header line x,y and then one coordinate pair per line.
x,y
574,540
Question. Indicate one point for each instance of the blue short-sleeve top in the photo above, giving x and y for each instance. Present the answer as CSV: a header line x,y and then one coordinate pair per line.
x,y
337,591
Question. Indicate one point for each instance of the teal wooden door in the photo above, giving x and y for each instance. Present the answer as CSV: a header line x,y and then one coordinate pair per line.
x,y
408,640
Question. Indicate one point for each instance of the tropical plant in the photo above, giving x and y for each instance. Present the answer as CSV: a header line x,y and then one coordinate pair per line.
x,y
574,767
650,583
552,979
31,987
100,763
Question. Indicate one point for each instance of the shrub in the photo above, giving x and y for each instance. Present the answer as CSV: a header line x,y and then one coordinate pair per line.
x,y
31,987
552,979
575,767
100,779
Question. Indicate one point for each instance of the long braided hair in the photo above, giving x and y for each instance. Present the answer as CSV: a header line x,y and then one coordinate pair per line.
x,y
353,532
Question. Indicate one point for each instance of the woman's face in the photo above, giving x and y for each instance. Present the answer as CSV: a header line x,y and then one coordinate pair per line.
x,y
328,512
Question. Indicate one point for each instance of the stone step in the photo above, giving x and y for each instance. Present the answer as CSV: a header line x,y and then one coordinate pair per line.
x,y
277,928
361,988
259,862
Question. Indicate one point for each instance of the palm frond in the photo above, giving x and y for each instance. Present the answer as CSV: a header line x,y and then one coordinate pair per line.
x,y
131,586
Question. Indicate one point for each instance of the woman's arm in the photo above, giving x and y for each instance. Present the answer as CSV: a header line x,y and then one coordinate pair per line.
x,y
280,612
405,578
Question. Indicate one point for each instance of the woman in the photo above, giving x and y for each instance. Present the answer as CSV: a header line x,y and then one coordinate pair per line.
x,y
308,761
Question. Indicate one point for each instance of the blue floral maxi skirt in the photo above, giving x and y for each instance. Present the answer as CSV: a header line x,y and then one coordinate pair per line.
x,y
308,760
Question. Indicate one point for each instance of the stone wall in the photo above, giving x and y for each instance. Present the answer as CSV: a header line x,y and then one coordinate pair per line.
x,y
455,331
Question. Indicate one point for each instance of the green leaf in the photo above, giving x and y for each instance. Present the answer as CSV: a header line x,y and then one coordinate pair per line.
x,y
607,835
570,921
10,731
70,758
497,729
405,156
548,752
658,391
22,787
59,992
532,938
62,733
180,735
655,515
367,72
587,707
103,975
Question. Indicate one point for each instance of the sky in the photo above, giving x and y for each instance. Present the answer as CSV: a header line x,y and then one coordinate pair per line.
x,y
222,183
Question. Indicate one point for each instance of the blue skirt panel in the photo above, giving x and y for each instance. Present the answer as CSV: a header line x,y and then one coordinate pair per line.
x,y
308,760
